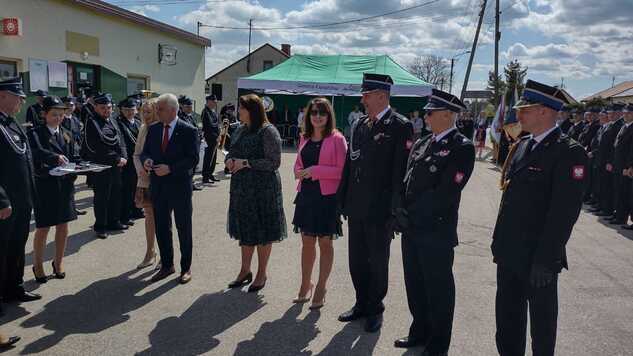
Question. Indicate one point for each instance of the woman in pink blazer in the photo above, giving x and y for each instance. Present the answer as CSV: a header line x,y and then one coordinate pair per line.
x,y
318,168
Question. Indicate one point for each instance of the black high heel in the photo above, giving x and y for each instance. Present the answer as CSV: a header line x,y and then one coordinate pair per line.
x,y
242,282
253,288
58,275
40,280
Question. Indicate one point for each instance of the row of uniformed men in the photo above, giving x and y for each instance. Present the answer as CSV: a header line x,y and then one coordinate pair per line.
x,y
607,135
392,184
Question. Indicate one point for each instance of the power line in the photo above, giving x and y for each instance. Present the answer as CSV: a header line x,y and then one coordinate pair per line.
x,y
167,2
362,19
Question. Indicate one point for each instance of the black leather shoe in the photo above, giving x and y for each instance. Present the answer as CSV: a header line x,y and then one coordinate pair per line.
x,y
196,188
58,275
9,344
407,342
117,227
617,222
627,227
214,179
128,223
80,212
102,234
350,315
248,278
207,181
23,298
162,274
430,353
601,214
373,323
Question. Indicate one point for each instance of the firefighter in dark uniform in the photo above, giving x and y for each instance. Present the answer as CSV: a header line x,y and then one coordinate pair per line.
x,y
621,162
211,131
129,126
35,112
588,139
541,201
88,108
370,190
187,115
578,124
565,119
438,168
75,127
16,194
607,155
106,147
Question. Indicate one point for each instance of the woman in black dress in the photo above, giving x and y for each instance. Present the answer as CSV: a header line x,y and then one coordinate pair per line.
x,y
318,168
256,215
52,146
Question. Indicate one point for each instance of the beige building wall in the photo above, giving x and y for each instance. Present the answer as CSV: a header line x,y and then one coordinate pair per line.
x,y
229,76
124,47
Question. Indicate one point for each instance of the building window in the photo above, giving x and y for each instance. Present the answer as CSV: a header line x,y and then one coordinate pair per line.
x,y
8,69
216,89
136,84
268,65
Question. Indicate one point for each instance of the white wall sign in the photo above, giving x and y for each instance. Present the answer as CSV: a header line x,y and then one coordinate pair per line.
x,y
38,74
57,74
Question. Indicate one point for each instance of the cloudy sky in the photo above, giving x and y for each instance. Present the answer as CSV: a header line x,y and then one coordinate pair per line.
x,y
582,43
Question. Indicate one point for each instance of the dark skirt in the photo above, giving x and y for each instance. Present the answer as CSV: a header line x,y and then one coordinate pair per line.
x,y
315,214
55,203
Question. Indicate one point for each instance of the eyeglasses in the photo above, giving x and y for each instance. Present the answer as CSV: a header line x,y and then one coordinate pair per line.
x,y
315,112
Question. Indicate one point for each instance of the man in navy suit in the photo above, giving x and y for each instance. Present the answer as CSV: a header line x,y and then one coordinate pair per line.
x,y
170,153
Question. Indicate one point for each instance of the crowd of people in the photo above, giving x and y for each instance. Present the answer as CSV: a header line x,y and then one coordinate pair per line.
x,y
392,176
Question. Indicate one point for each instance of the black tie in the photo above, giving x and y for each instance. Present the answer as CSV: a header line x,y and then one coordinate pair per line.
x,y
530,146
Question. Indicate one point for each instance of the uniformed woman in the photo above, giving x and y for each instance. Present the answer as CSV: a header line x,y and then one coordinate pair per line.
x,y
52,146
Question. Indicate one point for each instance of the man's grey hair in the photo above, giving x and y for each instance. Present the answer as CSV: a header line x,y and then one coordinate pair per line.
x,y
170,99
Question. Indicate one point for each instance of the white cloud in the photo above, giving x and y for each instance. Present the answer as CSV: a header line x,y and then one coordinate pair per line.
x,y
143,10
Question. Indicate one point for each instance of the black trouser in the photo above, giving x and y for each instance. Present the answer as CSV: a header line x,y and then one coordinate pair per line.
x,y
369,243
590,178
606,191
128,190
595,182
107,197
14,232
514,296
180,204
210,159
622,197
428,277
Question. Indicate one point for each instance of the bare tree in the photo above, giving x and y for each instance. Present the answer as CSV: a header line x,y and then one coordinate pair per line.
x,y
432,69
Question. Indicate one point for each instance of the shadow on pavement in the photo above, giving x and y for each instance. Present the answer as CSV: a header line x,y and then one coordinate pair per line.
x,y
99,306
351,340
287,335
194,332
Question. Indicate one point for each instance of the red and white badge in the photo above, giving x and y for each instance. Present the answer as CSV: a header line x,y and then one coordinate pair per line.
x,y
409,144
578,172
459,177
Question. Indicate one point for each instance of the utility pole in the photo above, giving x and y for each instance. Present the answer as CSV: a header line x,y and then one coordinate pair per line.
x,y
497,39
199,25
450,81
250,32
472,51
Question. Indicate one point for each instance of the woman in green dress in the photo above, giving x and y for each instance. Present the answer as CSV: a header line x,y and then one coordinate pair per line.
x,y
256,215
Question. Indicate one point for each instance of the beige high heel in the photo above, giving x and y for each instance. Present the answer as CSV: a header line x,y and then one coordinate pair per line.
x,y
147,263
319,305
299,299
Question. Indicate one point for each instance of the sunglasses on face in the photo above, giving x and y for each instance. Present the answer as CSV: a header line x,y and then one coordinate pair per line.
x,y
315,112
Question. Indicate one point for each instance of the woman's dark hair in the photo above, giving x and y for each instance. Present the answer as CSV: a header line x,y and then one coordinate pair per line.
x,y
320,104
255,107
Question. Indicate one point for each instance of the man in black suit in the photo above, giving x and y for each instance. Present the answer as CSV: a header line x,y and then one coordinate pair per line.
x,y
74,125
129,126
578,124
16,194
621,156
370,191
35,112
438,168
171,153
605,162
541,202
565,120
211,131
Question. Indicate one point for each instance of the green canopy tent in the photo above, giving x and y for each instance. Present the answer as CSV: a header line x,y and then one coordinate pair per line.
x,y
301,76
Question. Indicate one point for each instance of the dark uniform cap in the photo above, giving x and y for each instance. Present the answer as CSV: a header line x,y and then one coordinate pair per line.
x,y
211,97
606,109
184,100
13,86
372,81
229,106
628,108
536,93
81,100
52,102
41,93
441,100
103,99
594,109
128,103
68,99
618,107
567,108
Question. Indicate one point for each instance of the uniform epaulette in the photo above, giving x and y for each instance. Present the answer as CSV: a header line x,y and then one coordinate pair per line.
x,y
399,117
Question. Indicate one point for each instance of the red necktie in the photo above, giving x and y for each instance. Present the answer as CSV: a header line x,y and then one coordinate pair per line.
x,y
163,146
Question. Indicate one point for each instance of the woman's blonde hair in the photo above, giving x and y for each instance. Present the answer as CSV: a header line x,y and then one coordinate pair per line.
x,y
149,119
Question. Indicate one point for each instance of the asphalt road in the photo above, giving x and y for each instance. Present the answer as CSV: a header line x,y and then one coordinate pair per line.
x,y
105,306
